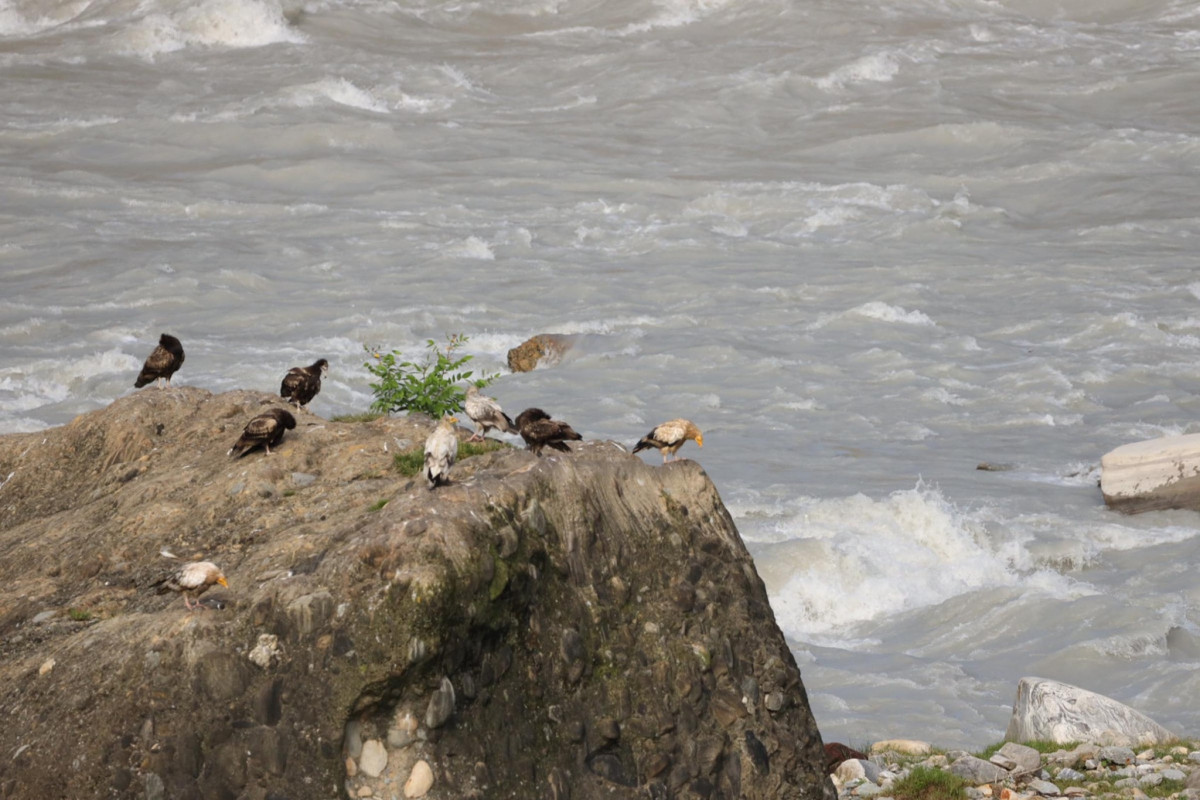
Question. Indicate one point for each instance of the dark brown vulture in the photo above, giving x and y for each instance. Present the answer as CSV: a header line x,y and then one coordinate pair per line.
x,y
162,363
301,384
266,429
538,431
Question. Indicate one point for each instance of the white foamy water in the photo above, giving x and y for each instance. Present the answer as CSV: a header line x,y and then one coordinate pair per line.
x,y
864,246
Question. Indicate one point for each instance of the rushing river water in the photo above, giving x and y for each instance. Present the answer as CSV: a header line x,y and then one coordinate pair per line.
x,y
865,246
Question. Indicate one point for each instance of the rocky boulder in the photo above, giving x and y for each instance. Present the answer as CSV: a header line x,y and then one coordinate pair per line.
x,y
543,350
573,626
1058,712
1152,475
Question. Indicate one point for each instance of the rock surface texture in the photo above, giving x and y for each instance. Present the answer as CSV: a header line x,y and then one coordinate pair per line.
x,y
543,350
1152,475
576,626
1059,712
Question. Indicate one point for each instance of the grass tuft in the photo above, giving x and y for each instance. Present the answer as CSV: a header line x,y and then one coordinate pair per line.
x,y
924,783
368,416
377,505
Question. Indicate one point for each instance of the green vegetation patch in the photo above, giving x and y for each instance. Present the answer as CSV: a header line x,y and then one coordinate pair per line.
x,y
924,783
368,416
412,461
377,505
431,385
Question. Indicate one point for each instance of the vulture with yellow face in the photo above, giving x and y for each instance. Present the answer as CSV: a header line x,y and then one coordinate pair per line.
x,y
192,580
441,448
669,437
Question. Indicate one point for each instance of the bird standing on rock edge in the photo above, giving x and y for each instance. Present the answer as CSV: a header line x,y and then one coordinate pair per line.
x,y
192,580
441,448
486,413
163,362
669,437
301,384
538,431
266,429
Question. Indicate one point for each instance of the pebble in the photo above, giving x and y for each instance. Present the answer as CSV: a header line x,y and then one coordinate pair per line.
x,y
420,780
441,705
374,758
1044,788
303,478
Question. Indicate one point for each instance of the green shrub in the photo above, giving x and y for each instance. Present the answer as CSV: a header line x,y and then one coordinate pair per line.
x,y
924,783
431,386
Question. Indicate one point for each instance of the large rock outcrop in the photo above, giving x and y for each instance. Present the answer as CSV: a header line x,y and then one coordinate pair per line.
x,y
1152,475
577,626
1051,711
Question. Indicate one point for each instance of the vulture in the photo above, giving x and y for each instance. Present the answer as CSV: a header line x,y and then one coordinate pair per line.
x,y
669,437
162,363
441,448
485,412
265,429
538,431
301,384
191,580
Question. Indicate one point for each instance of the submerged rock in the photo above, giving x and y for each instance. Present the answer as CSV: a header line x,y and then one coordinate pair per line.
x,y
543,350
387,638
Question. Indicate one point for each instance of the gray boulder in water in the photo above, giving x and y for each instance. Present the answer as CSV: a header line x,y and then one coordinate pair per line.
x,y
1058,712
1152,475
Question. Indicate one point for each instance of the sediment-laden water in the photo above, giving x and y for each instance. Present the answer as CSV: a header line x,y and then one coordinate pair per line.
x,y
865,246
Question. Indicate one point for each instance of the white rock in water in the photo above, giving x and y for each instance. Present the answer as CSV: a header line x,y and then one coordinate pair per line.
x,y
374,758
1155,474
1058,712
420,780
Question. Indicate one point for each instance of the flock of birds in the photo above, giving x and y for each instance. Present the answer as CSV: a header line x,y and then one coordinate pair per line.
x,y
301,385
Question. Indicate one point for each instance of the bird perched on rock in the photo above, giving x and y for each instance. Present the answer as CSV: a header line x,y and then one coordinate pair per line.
x,y
162,362
485,412
669,437
441,448
301,384
191,580
538,431
266,429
